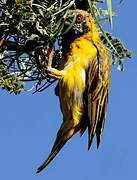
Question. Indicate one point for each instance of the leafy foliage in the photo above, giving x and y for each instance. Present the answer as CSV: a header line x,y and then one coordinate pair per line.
x,y
28,30
118,52
9,81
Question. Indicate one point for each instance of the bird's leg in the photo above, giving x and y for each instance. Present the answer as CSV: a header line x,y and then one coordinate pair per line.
x,y
53,72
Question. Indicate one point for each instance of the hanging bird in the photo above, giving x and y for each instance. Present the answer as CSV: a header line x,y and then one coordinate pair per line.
x,y
84,78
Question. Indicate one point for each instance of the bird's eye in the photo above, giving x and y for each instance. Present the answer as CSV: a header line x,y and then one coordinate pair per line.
x,y
79,18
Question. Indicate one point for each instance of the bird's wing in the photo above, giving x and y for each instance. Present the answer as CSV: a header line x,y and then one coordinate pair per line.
x,y
97,99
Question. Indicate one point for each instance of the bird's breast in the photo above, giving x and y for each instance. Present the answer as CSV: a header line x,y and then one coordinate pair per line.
x,y
77,60
74,79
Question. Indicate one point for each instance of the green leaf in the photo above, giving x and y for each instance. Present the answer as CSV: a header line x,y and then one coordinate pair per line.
x,y
10,82
109,4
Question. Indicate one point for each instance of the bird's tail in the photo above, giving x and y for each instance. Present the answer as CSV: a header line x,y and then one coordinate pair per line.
x,y
63,135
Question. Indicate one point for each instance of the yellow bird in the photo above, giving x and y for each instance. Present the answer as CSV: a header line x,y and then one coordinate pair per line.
x,y
84,78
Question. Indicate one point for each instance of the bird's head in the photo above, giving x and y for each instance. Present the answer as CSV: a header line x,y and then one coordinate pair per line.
x,y
84,25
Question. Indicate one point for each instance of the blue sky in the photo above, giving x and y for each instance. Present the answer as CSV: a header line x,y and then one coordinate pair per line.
x,y
29,124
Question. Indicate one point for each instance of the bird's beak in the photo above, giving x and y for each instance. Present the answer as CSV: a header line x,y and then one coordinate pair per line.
x,y
78,28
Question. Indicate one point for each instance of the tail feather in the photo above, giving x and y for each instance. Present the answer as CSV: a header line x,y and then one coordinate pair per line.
x,y
83,127
97,116
90,138
100,125
53,153
59,143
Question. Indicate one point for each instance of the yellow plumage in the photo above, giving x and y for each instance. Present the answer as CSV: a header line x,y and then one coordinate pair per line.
x,y
83,83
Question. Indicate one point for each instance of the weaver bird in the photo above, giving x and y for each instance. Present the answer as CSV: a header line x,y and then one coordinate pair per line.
x,y
84,78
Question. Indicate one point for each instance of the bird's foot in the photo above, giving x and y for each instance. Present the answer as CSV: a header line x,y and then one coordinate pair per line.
x,y
54,73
